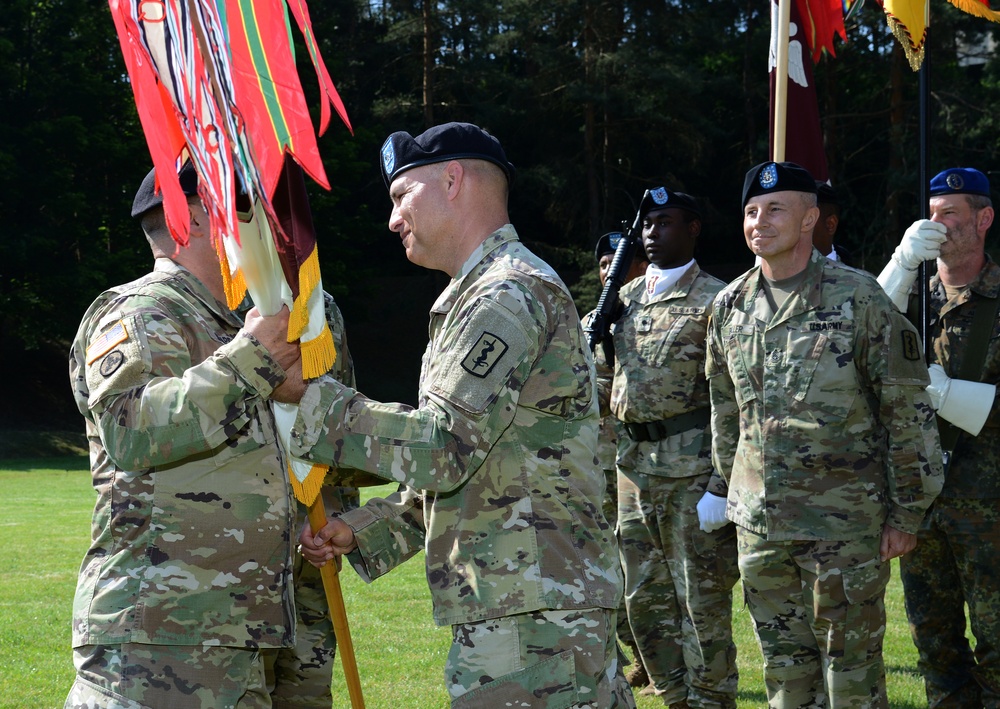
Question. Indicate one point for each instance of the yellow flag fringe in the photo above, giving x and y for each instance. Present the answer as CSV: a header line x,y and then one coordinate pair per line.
x,y
309,279
307,490
974,7
318,354
234,284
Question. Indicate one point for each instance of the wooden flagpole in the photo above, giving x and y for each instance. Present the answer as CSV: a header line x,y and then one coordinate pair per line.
x,y
781,81
338,612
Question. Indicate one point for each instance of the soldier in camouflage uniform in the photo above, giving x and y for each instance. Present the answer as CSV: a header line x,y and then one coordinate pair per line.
x,y
825,436
607,435
188,577
500,483
678,578
955,562
299,677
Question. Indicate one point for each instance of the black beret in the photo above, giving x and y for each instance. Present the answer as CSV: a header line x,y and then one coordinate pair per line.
x,y
449,141
777,177
147,197
607,244
662,198
825,194
960,180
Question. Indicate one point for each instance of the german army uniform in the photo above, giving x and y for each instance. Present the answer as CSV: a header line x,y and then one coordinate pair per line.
x,y
499,485
955,562
190,558
300,677
678,579
824,434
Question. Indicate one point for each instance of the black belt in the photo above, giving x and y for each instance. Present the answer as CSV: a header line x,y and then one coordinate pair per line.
x,y
658,430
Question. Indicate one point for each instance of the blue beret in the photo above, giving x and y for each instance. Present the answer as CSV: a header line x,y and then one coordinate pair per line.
x,y
607,244
960,180
662,198
777,177
147,197
449,141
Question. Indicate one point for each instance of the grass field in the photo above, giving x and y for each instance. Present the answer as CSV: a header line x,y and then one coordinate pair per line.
x,y
44,530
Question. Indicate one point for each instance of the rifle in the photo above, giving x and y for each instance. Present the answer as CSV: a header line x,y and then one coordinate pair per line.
x,y
608,306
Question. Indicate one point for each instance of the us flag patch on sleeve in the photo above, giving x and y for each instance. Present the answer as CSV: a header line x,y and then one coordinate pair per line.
x,y
106,341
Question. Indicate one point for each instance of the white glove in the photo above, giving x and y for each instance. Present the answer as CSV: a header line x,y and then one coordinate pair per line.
x,y
963,403
711,512
921,242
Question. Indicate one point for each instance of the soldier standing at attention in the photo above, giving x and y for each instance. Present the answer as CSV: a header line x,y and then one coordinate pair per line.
x,y
607,436
826,438
188,577
955,562
678,578
497,463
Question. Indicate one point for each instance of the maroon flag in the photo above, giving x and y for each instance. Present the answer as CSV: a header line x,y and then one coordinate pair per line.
x,y
803,137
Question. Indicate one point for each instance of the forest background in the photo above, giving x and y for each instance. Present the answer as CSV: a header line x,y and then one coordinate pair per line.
x,y
593,100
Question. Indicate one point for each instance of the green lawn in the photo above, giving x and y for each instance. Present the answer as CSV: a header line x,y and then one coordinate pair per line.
x,y
44,533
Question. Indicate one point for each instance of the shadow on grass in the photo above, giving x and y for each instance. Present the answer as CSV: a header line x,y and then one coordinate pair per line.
x,y
755,696
28,444
63,462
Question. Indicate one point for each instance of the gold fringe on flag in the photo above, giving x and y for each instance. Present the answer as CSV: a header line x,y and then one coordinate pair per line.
x,y
318,354
309,279
307,490
234,284
914,51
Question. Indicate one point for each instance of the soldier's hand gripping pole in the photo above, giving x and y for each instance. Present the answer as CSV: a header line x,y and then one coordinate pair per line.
x,y
338,612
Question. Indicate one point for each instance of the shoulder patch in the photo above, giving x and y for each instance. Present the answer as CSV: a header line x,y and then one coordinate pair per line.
x,y
911,345
106,341
483,356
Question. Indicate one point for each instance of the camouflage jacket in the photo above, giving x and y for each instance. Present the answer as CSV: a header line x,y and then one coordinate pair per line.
x,y
660,372
607,433
820,422
974,471
192,529
498,461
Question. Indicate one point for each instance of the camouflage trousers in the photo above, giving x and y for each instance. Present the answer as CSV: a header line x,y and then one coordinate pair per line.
x,y
611,514
678,589
300,676
542,660
819,614
134,676
954,566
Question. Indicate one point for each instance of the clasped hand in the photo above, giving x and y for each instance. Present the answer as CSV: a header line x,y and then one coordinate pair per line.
x,y
335,539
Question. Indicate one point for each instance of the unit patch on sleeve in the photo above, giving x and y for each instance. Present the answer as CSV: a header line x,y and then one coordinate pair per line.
x,y
911,345
484,355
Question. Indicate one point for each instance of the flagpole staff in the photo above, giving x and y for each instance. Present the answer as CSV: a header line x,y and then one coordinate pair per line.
x,y
338,612
924,176
781,80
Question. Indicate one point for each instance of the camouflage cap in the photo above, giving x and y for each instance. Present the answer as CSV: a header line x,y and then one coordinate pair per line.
x,y
449,141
